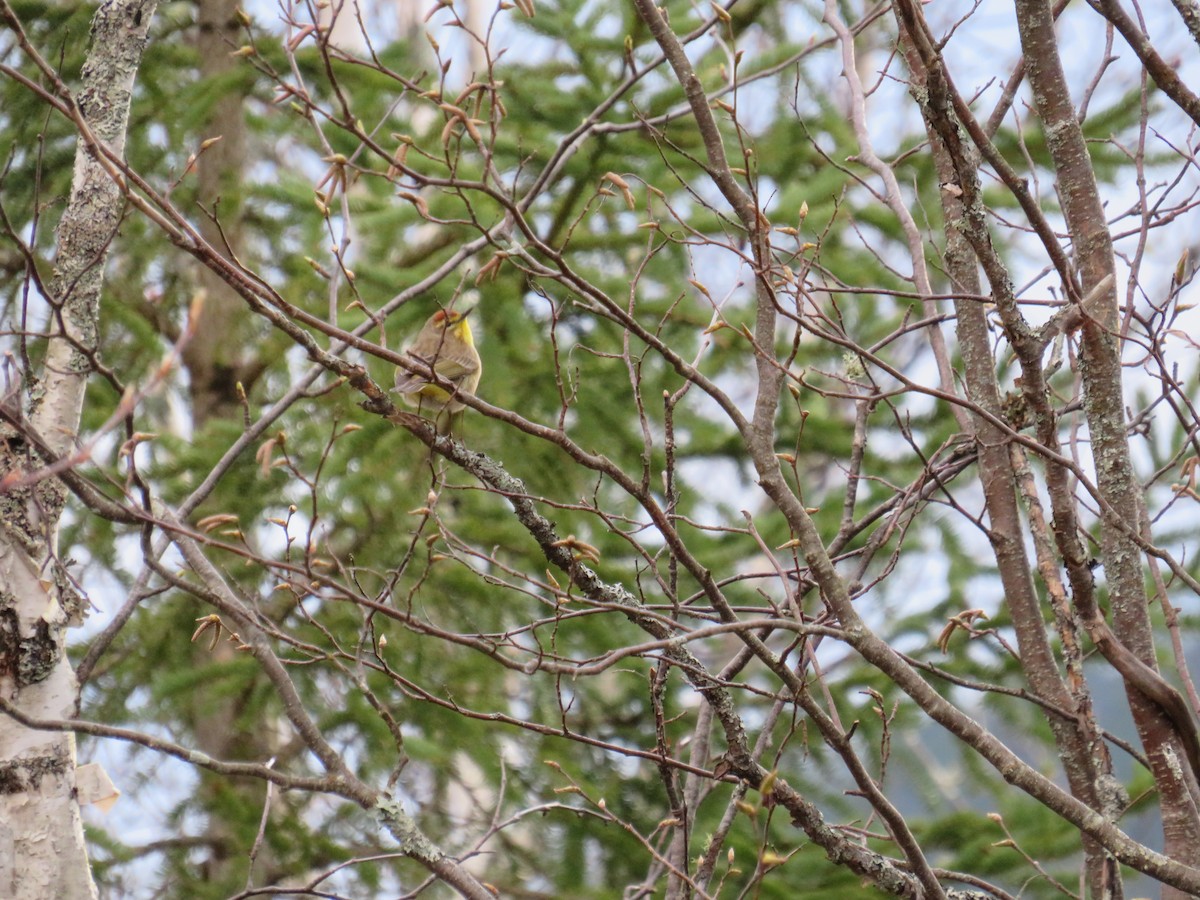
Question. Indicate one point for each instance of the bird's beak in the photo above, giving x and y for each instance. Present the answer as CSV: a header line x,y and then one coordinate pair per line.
x,y
466,312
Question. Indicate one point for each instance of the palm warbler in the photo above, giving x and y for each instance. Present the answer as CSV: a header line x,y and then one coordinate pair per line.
x,y
446,345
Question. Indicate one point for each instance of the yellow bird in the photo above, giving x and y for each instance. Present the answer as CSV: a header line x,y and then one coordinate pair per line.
x,y
446,345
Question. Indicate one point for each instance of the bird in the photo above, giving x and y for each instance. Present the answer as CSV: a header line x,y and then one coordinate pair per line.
x,y
446,345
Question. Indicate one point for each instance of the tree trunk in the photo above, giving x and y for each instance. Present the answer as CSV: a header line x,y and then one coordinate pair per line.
x,y
42,850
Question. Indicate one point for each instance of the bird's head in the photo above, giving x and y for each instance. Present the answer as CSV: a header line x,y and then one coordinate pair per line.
x,y
454,321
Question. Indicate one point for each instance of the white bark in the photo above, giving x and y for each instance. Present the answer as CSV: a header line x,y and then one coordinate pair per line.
x,y
42,851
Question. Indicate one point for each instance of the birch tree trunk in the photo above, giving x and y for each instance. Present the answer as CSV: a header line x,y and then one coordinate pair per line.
x,y
42,851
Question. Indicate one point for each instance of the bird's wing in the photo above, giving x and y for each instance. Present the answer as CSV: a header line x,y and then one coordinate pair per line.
x,y
456,363
410,382
407,383
453,368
